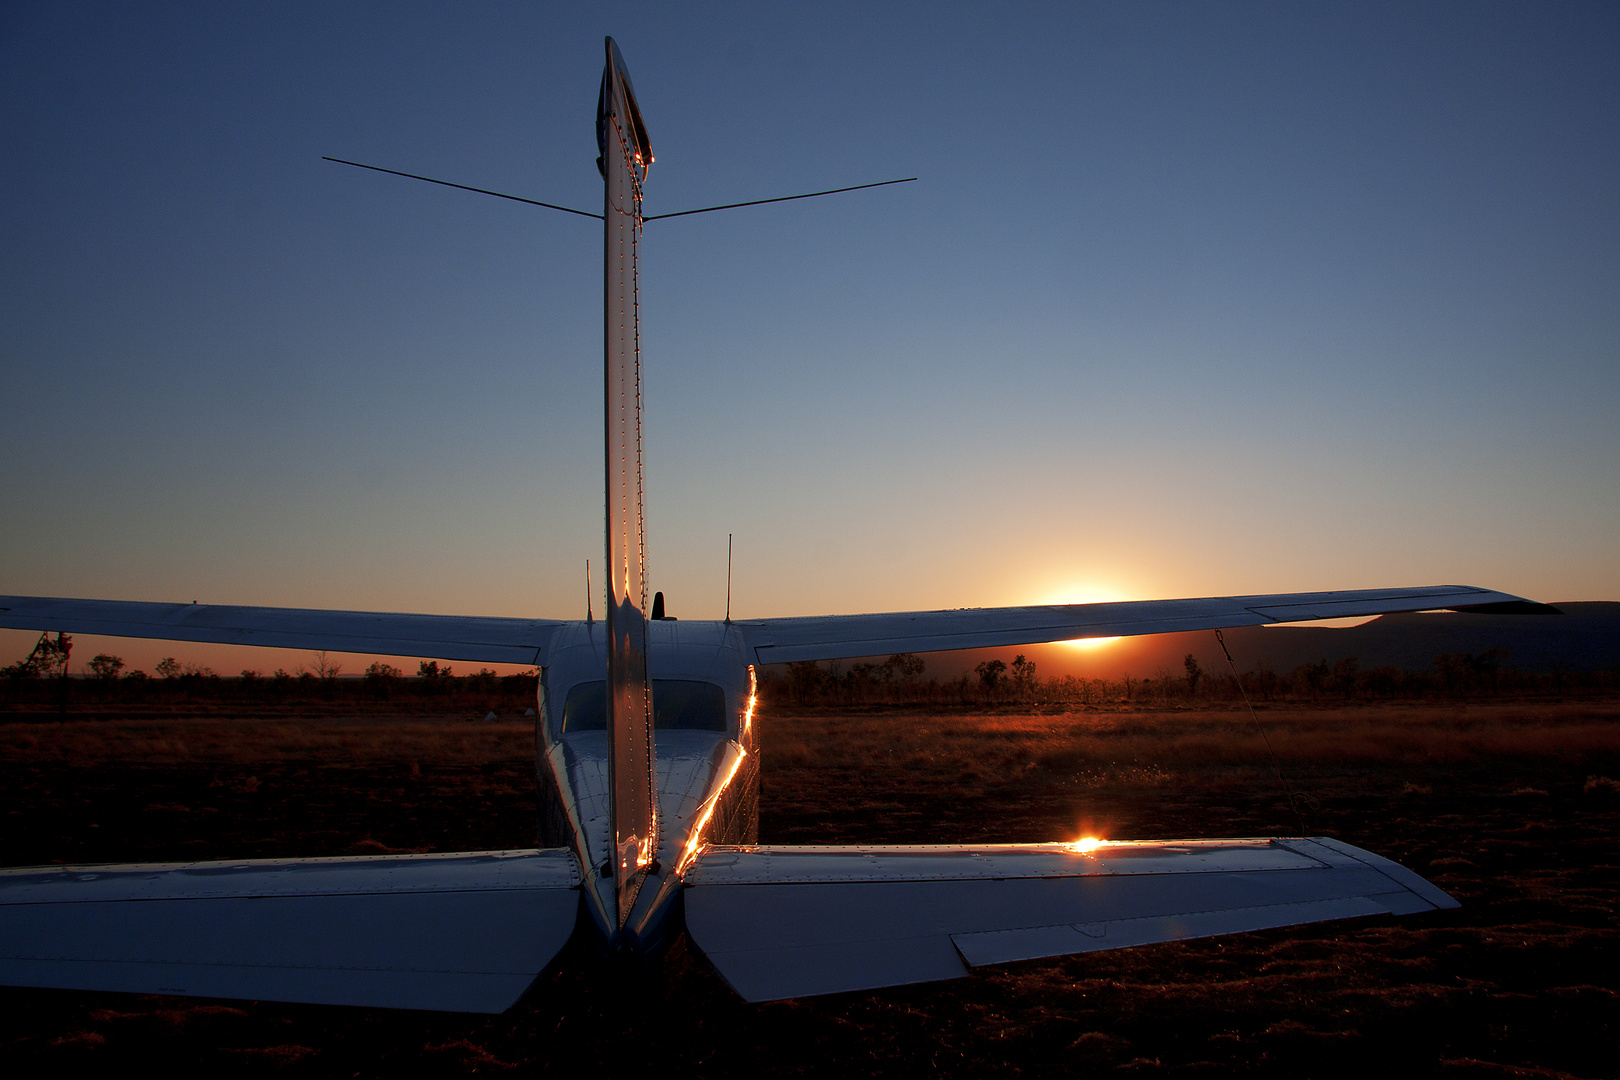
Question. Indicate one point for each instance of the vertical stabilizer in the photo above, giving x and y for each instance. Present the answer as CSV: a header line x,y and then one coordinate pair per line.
x,y
625,155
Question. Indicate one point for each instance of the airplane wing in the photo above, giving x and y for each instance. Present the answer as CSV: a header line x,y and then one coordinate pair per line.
x,y
781,922
834,637
447,637
466,932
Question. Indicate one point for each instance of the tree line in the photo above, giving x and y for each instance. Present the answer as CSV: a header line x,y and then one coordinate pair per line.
x,y
900,680
42,674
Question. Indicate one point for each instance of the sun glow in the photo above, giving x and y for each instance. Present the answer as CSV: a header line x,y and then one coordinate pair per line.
x,y
1087,843
1086,593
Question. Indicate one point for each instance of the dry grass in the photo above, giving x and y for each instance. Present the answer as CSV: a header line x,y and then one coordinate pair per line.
x,y
1512,808
333,740
999,744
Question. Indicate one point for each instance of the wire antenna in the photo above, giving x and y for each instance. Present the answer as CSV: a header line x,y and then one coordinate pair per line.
x,y
589,618
598,217
728,579
464,187
780,198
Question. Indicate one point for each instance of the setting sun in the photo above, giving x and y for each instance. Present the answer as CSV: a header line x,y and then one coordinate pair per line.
x,y
1089,642
1086,593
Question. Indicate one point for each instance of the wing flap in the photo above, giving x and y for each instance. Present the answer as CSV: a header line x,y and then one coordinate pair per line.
x,y
1034,942
833,637
785,922
466,932
448,637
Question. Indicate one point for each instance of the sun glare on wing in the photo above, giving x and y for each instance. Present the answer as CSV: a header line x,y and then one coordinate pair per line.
x,y
1087,593
1331,624
1087,843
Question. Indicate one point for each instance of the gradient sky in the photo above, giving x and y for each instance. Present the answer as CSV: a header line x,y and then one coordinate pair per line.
x,y
1189,300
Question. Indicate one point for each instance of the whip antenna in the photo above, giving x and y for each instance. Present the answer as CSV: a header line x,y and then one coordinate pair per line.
x,y
728,579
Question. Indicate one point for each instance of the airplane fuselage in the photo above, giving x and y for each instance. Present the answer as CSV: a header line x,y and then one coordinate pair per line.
x,y
707,769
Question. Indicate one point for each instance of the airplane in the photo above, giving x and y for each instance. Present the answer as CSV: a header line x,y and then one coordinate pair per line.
x,y
648,772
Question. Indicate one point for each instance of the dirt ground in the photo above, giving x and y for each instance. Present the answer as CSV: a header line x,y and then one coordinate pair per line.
x,y
1513,808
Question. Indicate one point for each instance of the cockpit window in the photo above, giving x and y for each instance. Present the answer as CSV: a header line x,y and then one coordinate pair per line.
x,y
678,705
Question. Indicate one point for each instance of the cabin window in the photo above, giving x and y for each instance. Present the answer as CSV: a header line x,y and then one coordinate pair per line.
x,y
678,705
687,705
586,707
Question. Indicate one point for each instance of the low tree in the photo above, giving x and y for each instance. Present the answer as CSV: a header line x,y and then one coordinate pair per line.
x,y
1023,676
905,667
48,657
380,678
863,678
1488,664
26,668
1194,673
990,673
804,680
1454,670
433,679
168,668
106,667
1314,676
1265,681
1347,676
521,682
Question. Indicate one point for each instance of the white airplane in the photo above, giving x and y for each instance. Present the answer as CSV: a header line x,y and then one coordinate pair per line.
x,y
649,777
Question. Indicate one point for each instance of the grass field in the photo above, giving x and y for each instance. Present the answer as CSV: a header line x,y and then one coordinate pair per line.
x,y
1512,807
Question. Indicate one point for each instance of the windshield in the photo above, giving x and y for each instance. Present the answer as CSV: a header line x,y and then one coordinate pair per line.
x,y
678,705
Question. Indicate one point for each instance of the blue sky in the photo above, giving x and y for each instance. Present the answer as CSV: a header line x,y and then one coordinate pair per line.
x,y
1189,300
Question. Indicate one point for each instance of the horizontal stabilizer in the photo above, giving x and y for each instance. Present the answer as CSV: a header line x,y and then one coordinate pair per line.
x,y
465,932
781,922
445,637
835,637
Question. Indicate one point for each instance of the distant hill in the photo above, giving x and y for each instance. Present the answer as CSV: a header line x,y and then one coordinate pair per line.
x,y
1586,637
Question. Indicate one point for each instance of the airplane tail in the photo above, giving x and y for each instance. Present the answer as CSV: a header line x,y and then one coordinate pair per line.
x,y
625,155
